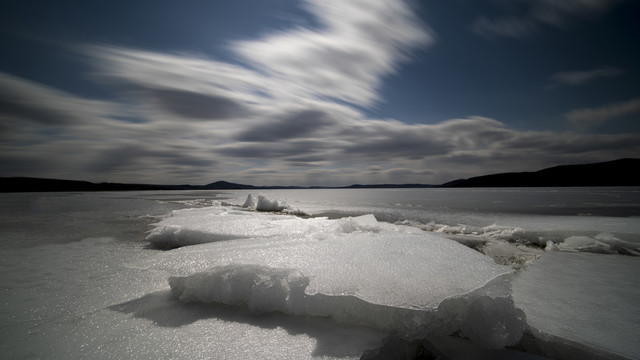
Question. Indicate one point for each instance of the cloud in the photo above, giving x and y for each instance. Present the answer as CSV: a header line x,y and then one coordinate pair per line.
x,y
403,175
48,132
345,148
561,13
22,100
533,15
586,76
287,114
359,42
513,27
388,138
127,155
436,153
290,125
197,106
287,102
183,85
588,117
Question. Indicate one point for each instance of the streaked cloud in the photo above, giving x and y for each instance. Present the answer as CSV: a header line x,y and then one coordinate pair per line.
x,y
585,76
345,148
589,117
288,111
22,100
288,126
183,85
197,106
514,27
359,43
527,17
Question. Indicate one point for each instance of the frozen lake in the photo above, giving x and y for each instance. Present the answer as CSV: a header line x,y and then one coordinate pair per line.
x,y
321,273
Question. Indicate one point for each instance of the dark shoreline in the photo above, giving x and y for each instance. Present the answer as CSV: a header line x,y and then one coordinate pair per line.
x,y
622,172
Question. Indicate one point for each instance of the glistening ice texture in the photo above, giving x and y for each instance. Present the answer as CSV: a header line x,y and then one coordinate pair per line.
x,y
382,263
356,270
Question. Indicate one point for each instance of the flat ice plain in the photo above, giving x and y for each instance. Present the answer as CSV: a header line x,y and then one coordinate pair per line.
x,y
320,277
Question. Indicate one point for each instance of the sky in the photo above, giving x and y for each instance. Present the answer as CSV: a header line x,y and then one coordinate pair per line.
x,y
315,92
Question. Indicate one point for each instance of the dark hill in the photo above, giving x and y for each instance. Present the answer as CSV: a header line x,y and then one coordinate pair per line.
x,y
225,185
623,172
24,184
27,184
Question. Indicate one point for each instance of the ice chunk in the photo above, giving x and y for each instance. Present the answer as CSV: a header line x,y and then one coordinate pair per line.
x,y
516,256
617,245
577,242
588,299
263,203
217,223
260,288
602,243
606,237
585,244
494,322
359,223
250,202
551,246
266,204
390,268
486,317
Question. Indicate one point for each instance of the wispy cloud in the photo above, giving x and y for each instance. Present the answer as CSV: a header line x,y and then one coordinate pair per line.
x,y
22,100
585,76
182,85
589,117
527,17
359,43
286,113
514,27
333,145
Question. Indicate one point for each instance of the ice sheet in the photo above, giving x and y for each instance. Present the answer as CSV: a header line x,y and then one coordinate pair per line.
x,y
586,298
356,270
381,263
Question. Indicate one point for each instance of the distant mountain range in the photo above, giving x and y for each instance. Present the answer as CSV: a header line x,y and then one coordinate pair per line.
x,y
622,172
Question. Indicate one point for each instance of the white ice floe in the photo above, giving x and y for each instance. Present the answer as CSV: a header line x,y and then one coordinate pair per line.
x,y
355,270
